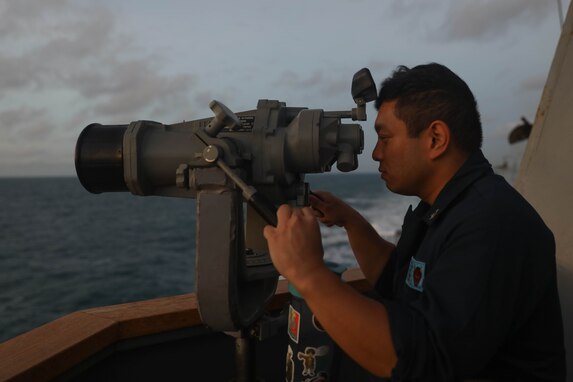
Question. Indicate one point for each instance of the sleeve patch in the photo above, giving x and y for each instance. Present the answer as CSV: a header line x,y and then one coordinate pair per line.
x,y
416,275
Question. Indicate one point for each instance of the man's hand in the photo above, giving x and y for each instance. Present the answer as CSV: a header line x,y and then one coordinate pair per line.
x,y
295,244
331,210
370,249
358,324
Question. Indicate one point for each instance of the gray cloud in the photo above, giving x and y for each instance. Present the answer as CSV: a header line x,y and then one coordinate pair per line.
x,y
315,84
77,48
24,132
22,17
480,20
381,65
413,8
204,97
129,87
533,84
65,64
42,48
28,123
10,119
292,80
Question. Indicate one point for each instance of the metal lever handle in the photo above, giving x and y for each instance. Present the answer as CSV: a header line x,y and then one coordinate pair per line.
x,y
264,207
258,201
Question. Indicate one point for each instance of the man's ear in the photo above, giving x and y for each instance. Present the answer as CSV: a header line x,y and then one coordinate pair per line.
x,y
439,138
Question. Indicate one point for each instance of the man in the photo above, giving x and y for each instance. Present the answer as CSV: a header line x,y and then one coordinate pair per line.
x,y
469,291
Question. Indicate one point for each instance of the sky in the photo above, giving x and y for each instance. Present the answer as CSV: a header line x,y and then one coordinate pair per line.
x,y
68,63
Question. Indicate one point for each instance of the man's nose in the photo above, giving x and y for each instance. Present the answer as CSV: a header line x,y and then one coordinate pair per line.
x,y
376,154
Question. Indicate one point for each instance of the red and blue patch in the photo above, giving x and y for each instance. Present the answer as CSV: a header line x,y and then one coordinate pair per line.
x,y
293,324
416,275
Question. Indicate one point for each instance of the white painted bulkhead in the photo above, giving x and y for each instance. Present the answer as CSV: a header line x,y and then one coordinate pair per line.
x,y
545,176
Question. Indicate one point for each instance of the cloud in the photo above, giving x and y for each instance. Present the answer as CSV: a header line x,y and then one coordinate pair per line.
x,y
318,89
77,48
11,119
20,18
43,47
414,7
67,63
292,80
533,84
129,87
480,20
28,124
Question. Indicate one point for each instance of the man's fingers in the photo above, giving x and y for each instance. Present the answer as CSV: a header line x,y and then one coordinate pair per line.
x,y
287,215
319,194
268,231
316,213
308,212
283,214
317,205
284,209
315,201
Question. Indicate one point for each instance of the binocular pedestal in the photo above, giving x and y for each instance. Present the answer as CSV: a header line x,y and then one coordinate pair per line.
x,y
231,290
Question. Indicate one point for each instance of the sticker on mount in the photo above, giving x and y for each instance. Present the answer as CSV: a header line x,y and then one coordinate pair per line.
x,y
289,372
293,324
308,358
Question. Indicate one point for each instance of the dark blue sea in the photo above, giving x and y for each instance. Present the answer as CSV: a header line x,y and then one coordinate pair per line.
x,y
63,249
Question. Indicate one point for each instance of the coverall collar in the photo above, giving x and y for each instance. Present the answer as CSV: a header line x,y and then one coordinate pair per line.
x,y
473,168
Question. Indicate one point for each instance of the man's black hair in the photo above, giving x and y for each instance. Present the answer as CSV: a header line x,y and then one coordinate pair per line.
x,y
432,92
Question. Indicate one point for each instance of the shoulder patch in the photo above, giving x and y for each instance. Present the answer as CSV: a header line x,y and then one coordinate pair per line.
x,y
416,275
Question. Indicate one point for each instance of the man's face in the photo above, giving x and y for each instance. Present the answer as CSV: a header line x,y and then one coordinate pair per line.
x,y
402,160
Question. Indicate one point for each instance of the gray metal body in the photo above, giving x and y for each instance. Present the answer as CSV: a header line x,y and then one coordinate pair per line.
x,y
275,145
271,149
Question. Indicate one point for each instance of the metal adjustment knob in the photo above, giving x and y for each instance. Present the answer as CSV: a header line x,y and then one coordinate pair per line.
x,y
223,117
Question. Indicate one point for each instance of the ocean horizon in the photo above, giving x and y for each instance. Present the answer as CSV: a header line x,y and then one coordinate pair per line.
x,y
63,249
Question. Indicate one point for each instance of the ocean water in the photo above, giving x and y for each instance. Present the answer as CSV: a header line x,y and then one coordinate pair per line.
x,y
63,249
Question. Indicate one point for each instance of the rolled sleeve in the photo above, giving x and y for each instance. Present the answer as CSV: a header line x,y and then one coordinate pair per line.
x,y
415,345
